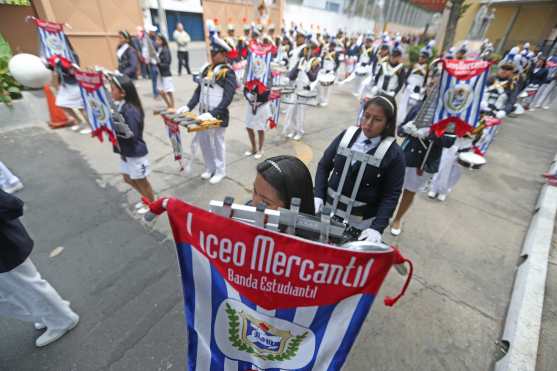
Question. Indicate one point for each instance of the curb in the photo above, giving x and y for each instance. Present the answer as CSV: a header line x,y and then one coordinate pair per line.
x,y
523,322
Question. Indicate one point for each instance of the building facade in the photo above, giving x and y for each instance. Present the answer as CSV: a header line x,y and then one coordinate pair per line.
x,y
514,22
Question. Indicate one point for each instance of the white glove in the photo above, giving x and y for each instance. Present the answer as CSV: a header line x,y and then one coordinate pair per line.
x,y
500,114
423,133
205,117
183,109
370,235
410,129
318,203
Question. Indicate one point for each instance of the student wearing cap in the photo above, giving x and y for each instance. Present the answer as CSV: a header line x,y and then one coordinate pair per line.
x,y
415,83
183,40
214,94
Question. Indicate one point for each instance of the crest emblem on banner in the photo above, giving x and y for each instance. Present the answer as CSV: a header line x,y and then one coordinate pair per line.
x,y
249,334
55,44
458,98
97,109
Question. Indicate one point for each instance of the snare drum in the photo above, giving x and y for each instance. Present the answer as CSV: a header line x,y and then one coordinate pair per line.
x,y
326,79
361,71
307,97
471,160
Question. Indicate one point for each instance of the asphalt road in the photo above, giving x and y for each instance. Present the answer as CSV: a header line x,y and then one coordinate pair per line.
x,y
120,278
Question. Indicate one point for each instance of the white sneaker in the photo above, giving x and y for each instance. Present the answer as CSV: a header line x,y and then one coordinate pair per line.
x,y
51,335
39,326
441,197
13,188
75,127
139,205
396,231
258,155
290,135
431,194
545,107
85,131
216,178
324,104
248,153
206,175
297,136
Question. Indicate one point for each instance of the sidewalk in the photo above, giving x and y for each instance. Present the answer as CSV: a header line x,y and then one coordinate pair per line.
x,y
464,250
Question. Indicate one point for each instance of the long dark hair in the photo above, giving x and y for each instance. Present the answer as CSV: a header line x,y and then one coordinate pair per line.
x,y
388,104
164,41
125,84
290,177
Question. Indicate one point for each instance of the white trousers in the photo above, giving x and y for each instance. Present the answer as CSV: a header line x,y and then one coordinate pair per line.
x,y
449,171
213,149
25,295
7,178
546,94
294,119
324,93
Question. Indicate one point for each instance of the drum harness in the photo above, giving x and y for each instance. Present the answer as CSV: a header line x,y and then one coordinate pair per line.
x,y
353,222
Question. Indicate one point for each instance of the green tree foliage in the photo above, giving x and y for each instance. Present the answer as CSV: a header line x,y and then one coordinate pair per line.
x,y
9,87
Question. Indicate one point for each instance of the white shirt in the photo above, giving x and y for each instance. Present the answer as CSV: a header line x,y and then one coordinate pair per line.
x,y
365,144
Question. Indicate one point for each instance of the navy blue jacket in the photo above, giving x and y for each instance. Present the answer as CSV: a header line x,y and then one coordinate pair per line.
x,y
15,243
538,76
134,146
127,63
414,151
380,188
228,83
165,59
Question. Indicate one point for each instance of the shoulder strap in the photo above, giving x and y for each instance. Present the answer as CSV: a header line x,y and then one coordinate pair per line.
x,y
348,134
383,148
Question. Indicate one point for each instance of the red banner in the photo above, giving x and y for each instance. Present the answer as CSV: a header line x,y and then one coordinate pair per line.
x,y
465,69
275,270
90,81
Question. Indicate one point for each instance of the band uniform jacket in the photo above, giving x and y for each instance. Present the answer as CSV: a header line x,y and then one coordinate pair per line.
x,y
227,81
15,243
415,152
380,187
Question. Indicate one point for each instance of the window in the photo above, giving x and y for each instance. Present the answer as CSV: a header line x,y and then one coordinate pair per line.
x,y
333,7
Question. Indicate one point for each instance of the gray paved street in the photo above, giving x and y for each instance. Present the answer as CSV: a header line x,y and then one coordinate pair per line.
x,y
122,277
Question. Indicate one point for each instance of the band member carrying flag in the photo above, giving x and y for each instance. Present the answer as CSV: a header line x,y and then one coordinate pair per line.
x,y
458,111
257,91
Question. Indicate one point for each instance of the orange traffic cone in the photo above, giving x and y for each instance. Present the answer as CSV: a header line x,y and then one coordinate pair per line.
x,y
58,118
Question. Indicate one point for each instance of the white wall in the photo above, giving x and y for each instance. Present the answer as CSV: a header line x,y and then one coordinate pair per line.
x,y
330,21
191,6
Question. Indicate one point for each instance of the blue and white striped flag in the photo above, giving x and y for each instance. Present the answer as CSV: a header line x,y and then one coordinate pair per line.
x,y
53,42
96,104
261,300
460,93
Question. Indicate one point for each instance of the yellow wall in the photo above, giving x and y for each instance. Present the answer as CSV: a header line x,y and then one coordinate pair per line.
x,y
534,22
466,21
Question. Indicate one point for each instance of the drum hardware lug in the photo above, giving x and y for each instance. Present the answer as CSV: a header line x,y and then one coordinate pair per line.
x,y
260,214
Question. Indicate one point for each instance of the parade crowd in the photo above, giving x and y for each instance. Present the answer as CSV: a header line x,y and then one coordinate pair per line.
x,y
363,175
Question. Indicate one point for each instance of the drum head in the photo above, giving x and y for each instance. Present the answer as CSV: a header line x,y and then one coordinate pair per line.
x,y
327,79
471,160
361,71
